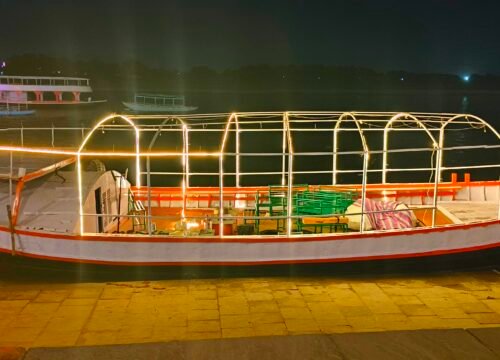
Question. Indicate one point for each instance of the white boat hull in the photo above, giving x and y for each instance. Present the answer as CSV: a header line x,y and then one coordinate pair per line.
x,y
16,112
253,250
145,108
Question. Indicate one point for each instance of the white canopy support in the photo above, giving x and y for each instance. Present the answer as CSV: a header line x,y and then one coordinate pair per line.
x,y
401,117
82,152
366,156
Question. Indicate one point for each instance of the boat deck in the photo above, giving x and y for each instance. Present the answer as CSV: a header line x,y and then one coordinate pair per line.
x,y
450,212
471,211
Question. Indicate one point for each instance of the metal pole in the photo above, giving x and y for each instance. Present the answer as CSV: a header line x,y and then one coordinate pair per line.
x,y
289,208
148,179
186,151
441,145
237,151
12,231
334,165
363,190
498,195
384,155
437,171
10,179
283,157
221,199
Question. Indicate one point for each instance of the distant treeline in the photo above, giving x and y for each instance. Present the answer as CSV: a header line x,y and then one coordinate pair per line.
x,y
136,75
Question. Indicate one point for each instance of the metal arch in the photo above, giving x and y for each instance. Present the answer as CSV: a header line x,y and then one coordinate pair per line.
x,y
437,168
157,133
80,152
447,122
335,141
471,116
137,149
397,117
366,155
232,118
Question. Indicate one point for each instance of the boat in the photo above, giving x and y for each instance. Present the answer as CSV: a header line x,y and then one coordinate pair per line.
x,y
159,103
46,90
15,110
250,189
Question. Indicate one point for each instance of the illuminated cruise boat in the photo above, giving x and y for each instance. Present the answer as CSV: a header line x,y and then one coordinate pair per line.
x,y
253,189
45,90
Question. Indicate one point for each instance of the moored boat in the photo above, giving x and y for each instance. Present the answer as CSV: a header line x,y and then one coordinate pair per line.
x,y
159,103
252,189
46,90
15,110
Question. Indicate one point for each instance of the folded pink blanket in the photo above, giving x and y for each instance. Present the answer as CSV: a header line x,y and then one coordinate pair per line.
x,y
400,219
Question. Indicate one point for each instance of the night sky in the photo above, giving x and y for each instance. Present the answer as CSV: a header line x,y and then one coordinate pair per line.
x,y
425,35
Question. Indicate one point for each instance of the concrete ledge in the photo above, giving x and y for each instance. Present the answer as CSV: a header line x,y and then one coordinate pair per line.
x,y
420,344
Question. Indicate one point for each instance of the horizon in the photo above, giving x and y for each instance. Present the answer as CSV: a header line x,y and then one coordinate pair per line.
x,y
433,36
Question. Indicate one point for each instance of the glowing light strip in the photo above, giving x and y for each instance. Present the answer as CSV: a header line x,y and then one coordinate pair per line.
x,y
226,132
137,148
79,167
38,151
237,150
290,175
104,154
184,170
80,195
283,152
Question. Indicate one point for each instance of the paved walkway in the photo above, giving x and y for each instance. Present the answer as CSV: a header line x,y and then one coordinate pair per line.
x,y
37,315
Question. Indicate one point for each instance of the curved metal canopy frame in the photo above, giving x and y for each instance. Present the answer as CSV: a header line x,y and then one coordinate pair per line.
x,y
366,156
335,140
80,152
287,122
456,117
401,117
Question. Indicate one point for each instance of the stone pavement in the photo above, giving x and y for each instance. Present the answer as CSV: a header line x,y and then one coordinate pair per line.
x,y
55,315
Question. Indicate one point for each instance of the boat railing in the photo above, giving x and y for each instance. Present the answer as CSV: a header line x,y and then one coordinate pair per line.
x,y
227,161
43,80
13,106
188,226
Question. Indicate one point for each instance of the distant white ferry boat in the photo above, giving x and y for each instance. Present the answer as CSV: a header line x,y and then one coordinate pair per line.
x,y
45,90
15,110
159,103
